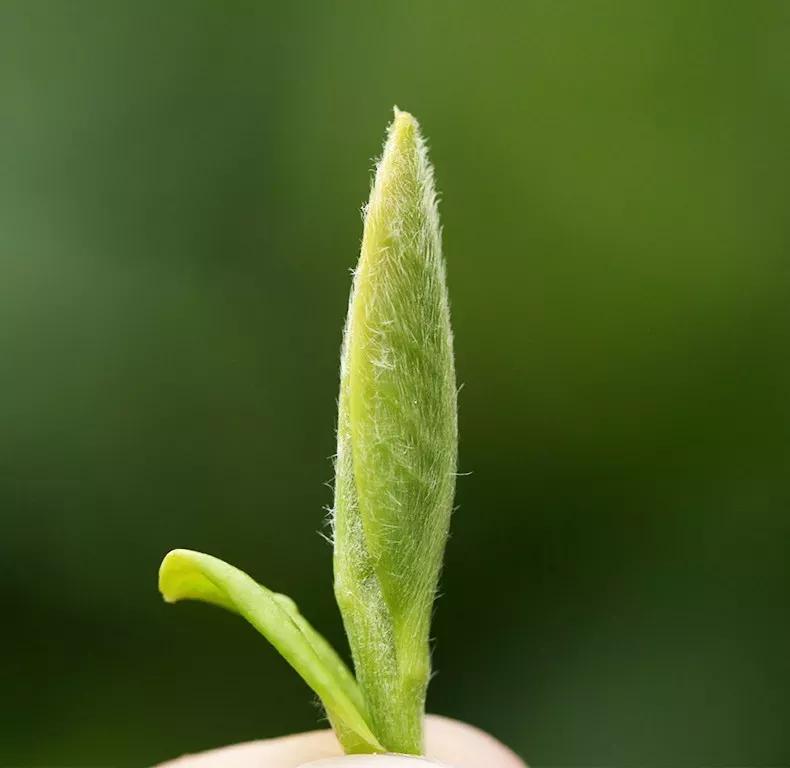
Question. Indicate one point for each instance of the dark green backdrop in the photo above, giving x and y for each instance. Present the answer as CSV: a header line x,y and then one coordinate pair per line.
x,y
180,186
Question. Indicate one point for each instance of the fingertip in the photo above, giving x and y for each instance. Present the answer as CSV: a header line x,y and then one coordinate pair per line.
x,y
452,742
283,752
372,761
448,743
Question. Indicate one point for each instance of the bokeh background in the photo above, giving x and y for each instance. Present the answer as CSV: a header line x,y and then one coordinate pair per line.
x,y
180,186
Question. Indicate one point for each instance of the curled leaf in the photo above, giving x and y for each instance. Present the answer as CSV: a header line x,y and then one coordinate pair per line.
x,y
188,575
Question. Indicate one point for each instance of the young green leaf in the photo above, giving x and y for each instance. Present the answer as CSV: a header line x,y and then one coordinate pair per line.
x,y
187,575
397,440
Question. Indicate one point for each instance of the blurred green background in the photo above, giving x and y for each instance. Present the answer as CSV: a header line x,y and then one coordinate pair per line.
x,y
180,186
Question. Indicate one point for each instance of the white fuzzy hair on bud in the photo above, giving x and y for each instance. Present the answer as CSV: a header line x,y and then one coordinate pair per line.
x,y
397,440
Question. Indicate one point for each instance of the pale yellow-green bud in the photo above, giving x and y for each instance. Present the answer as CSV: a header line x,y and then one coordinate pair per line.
x,y
397,440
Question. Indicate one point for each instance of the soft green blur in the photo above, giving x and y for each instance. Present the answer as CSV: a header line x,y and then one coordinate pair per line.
x,y
180,186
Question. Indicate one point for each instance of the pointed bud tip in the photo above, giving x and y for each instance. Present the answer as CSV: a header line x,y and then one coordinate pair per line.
x,y
403,124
